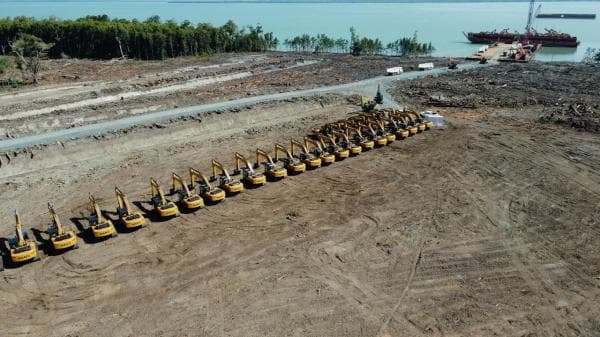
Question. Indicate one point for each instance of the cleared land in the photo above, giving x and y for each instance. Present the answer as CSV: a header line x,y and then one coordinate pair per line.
x,y
488,226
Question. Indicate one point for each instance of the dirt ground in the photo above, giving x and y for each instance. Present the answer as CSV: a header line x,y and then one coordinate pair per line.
x,y
488,226
79,92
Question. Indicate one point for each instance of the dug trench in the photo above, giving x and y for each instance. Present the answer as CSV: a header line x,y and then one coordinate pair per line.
x,y
487,226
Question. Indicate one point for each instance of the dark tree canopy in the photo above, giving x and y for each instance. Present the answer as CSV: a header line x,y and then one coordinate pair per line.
x,y
99,37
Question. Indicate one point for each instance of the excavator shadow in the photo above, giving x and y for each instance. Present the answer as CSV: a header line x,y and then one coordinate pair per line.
x,y
149,213
44,244
4,258
82,231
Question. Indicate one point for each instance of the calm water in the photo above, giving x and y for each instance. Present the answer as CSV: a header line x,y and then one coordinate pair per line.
x,y
440,23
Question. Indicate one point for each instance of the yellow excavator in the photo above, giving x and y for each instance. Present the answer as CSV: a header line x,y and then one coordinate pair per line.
x,y
331,146
163,207
101,228
60,239
21,248
397,126
371,105
187,199
371,134
211,194
308,158
292,164
271,170
227,183
345,142
452,63
383,131
355,134
318,149
129,218
421,124
248,175
407,120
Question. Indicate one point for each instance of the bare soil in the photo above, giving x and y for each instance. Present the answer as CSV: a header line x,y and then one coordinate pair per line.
x,y
129,87
562,93
488,226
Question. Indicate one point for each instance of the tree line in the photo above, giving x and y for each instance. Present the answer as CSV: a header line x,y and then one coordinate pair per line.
x,y
357,45
99,37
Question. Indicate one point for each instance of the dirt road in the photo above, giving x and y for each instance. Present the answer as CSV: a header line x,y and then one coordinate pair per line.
x,y
364,87
487,226
128,88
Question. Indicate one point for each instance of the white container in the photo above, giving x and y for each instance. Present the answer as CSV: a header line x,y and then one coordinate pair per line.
x,y
426,66
394,71
433,117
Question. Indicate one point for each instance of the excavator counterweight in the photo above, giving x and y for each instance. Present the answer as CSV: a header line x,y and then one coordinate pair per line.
x,y
163,207
100,227
129,218
60,239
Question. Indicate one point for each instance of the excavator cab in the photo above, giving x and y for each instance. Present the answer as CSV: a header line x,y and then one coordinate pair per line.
x,y
356,136
248,175
308,158
331,146
292,164
212,194
129,218
372,135
163,207
347,144
319,151
187,199
21,248
60,239
227,183
100,227
271,170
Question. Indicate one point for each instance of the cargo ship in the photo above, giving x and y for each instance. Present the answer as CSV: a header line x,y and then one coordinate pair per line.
x,y
550,38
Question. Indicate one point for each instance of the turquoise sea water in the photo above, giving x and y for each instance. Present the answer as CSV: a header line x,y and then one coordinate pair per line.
x,y
440,23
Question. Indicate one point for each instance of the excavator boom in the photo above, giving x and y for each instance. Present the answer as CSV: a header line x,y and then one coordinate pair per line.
x,y
19,229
